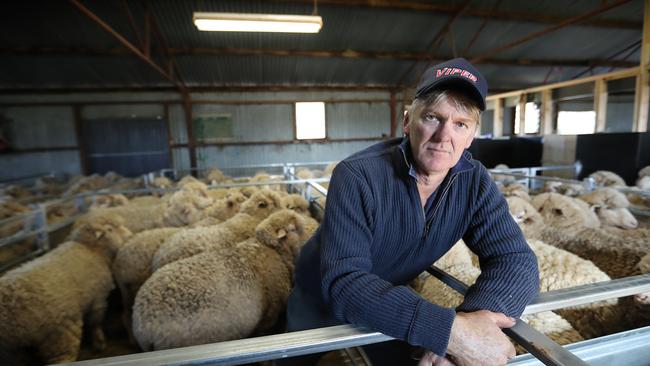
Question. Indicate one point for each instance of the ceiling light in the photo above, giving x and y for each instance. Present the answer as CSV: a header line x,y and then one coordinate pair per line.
x,y
238,22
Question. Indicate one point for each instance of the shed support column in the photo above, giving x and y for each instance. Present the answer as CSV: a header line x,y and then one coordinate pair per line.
x,y
600,104
522,114
642,97
546,117
498,118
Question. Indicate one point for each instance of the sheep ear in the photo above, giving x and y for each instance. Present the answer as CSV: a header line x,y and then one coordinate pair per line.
x,y
230,204
596,208
280,234
99,234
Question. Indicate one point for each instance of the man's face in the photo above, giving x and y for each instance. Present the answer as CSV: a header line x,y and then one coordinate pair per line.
x,y
438,136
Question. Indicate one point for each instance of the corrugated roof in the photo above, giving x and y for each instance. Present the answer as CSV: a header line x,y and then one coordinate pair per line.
x,y
53,44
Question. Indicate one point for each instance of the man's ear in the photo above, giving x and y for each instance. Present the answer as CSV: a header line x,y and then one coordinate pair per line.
x,y
405,123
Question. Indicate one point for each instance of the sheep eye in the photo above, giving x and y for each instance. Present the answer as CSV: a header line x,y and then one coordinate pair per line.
x,y
557,211
263,204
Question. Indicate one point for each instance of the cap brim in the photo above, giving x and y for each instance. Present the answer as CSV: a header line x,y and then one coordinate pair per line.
x,y
465,86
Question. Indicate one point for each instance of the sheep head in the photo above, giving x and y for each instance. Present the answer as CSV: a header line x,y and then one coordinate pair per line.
x,y
565,212
227,207
106,232
619,217
185,207
526,216
606,197
296,203
607,178
282,231
261,204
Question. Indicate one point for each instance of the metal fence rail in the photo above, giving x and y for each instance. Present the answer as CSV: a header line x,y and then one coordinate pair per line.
x,y
343,336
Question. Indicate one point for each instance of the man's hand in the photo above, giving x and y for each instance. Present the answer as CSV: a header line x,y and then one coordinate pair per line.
x,y
432,359
476,339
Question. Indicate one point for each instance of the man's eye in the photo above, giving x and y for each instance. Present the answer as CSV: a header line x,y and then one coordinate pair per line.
x,y
461,125
430,118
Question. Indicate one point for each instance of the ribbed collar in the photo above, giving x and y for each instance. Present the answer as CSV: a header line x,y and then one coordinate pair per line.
x,y
464,163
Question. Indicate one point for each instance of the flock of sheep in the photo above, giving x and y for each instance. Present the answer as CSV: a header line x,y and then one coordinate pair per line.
x,y
579,238
197,265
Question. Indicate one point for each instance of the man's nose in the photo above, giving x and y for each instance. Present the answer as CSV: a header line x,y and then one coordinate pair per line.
x,y
442,132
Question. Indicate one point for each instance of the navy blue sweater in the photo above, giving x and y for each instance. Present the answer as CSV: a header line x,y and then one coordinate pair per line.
x,y
376,237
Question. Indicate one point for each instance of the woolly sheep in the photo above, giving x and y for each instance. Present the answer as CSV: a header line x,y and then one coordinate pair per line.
x,y
607,178
300,205
567,189
136,218
501,177
238,228
186,206
16,191
606,197
643,267
108,200
644,172
458,263
219,295
44,303
515,189
643,183
132,266
215,176
564,212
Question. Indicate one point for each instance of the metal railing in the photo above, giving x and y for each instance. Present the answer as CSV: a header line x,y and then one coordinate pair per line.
x,y
300,343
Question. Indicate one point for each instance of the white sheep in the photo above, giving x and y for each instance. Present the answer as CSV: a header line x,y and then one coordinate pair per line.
x,y
458,263
137,218
221,210
216,176
564,212
220,295
238,228
644,172
132,266
186,206
515,189
567,189
45,303
607,178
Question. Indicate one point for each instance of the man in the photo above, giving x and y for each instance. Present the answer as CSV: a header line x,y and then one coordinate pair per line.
x,y
395,208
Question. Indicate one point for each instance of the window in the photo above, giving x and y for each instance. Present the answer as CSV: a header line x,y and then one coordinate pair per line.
x,y
576,123
310,120
212,127
532,118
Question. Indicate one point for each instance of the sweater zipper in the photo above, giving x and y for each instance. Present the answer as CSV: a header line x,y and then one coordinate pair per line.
x,y
427,225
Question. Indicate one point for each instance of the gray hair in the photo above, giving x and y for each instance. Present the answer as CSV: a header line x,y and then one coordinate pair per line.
x,y
459,100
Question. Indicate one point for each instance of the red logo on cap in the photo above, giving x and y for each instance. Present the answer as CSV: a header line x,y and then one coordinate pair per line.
x,y
446,71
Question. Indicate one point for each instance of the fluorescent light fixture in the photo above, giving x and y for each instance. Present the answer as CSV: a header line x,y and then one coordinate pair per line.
x,y
238,22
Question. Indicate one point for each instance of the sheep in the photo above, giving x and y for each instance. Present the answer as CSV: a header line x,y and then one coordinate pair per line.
x,y
643,183
222,210
644,172
15,191
515,189
132,266
239,227
300,205
529,220
162,183
567,189
215,176
43,303
564,212
501,177
643,267
606,197
137,218
607,178
145,200
108,200
458,263
220,295
186,206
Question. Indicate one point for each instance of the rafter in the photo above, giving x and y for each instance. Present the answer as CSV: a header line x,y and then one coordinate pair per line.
x,y
351,54
545,31
445,8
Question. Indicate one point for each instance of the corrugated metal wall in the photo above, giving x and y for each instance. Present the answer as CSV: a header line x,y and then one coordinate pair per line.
x,y
257,126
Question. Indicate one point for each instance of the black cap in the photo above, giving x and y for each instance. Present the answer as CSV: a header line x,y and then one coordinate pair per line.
x,y
456,74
